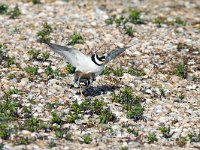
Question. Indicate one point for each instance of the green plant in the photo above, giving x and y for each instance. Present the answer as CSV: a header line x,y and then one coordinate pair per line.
x,y
1,146
53,105
48,71
178,21
181,141
76,38
23,140
107,116
3,9
152,138
42,126
87,139
159,21
9,106
32,71
134,17
27,112
162,92
72,117
132,131
15,12
52,144
131,104
63,133
56,118
10,92
45,56
91,107
181,70
109,21
30,124
44,34
34,53
5,131
165,131
135,111
10,61
181,97
118,72
59,133
121,21
194,137
33,124
107,71
129,31
70,69
135,72
123,148
36,1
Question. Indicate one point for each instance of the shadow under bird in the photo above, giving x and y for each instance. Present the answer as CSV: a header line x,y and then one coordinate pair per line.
x,y
87,66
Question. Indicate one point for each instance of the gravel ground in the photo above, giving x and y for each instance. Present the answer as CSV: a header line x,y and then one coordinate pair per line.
x,y
42,110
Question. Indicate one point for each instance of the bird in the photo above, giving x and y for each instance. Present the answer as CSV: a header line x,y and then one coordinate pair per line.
x,y
88,67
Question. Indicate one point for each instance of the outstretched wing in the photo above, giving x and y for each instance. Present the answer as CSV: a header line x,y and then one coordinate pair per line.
x,y
73,56
113,54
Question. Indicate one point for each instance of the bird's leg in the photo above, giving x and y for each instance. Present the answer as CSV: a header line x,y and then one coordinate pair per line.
x,y
81,92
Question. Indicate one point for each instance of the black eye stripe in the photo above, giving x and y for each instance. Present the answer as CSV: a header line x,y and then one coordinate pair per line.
x,y
103,57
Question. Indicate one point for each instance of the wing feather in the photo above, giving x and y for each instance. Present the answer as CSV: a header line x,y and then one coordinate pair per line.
x,y
113,54
72,55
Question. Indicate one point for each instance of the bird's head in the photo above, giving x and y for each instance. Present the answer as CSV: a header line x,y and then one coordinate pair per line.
x,y
99,59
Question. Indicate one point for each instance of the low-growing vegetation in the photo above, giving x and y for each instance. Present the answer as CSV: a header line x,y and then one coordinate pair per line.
x,y
129,31
15,13
130,103
34,53
3,9
159,21
121,21
32,71
152,138
91,107
87,139
44,34
181,70
119,71
70,69
36,1
135,17
166,131
181,141
6,60
76,38
54,73
45,56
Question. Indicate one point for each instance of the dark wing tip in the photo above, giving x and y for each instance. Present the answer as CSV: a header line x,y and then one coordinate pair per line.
x,y
116,52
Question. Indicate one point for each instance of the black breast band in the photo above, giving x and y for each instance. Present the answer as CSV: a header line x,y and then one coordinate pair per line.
x,y
93,59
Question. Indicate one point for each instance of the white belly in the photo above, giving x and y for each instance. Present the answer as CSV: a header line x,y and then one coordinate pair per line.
x,y
90,66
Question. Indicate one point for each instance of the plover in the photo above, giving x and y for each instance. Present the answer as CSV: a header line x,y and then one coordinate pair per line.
x,y
87,67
